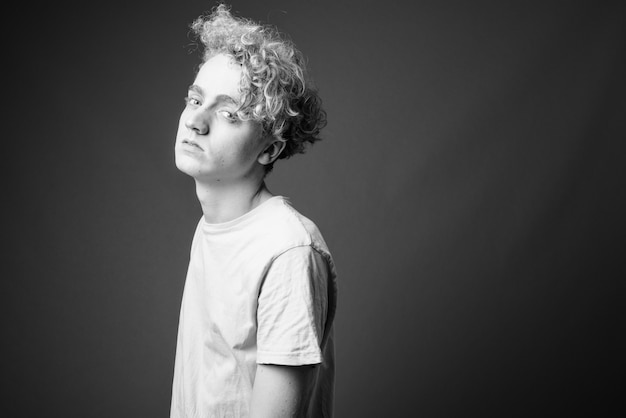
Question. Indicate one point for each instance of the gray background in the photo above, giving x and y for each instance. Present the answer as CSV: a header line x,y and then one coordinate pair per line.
x,y
471,186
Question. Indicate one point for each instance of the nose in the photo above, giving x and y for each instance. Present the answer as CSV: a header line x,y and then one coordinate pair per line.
x,y
197,122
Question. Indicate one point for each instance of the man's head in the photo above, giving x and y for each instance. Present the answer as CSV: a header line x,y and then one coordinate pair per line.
x,y
212,143
273,89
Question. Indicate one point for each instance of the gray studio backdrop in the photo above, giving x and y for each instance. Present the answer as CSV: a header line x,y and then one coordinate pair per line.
x,y
470,186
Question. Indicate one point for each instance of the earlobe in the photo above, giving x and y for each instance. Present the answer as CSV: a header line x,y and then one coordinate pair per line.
x,y
271,152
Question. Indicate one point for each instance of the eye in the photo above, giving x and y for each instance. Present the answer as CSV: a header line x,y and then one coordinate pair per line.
x,y
192,101
229,116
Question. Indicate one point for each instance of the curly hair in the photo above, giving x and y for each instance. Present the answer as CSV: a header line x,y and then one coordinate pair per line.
x,y
274,88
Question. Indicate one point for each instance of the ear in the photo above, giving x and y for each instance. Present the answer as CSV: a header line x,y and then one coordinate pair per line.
x,y
271,152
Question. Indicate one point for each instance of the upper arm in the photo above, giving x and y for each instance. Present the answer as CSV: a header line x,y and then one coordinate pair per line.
x,y
292,309
281,391
291,318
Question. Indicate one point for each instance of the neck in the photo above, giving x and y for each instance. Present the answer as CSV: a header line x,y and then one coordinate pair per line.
x,y
223,203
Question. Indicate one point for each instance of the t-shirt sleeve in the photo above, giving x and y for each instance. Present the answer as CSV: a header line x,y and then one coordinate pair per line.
x,y
292,309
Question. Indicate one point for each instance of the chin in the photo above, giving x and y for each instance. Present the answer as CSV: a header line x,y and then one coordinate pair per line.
x,y
185,165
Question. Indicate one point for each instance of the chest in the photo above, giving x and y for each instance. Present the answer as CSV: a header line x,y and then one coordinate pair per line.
x,y
221,295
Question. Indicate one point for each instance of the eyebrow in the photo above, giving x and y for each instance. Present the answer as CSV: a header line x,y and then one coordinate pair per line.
x,y
219,99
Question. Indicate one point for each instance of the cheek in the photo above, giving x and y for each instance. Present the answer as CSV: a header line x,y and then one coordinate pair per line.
x,y
253,143
184,117
181,123
249,150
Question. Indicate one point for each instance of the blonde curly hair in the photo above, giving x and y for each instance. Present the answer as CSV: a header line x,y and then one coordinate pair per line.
x,y
274,88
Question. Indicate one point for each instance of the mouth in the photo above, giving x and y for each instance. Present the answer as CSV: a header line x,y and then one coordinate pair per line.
x,y
192,143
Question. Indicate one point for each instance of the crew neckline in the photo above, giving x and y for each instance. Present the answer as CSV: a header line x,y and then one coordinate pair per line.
x,y
220,226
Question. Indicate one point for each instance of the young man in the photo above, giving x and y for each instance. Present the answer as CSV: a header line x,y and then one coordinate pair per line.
x,y
255,332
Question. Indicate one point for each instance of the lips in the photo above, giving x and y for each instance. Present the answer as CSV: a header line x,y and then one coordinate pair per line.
x,y
192,144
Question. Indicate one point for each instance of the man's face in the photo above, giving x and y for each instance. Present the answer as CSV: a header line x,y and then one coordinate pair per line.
x,y
212,144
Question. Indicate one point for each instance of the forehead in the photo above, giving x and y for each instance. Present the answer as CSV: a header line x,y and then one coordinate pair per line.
x,y
219,75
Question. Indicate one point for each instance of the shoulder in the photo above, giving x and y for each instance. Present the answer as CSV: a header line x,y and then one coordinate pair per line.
x,y
292,229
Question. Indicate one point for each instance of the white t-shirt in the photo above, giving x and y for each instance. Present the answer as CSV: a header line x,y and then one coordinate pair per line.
x,y
260,289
